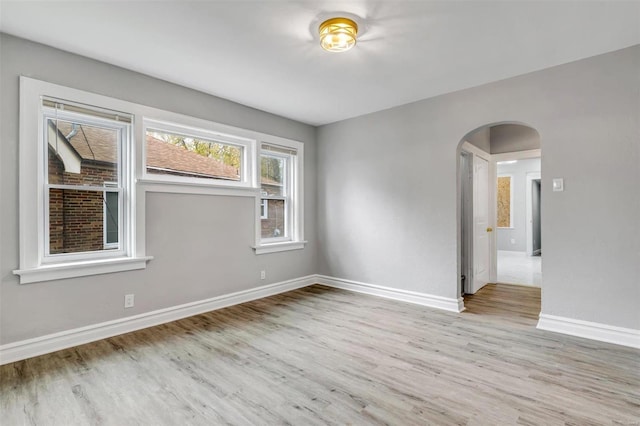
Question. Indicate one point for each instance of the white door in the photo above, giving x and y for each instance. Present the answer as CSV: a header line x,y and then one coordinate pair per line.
x,y
480,223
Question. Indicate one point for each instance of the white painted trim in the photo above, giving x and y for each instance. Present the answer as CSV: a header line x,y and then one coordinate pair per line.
x,y
491,220
590,330
175,124
276,247
35,262
295,194
54,342
29,348
58,271
195,188
466,146
432,301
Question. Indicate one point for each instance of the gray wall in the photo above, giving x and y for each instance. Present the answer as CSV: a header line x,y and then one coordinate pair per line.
x,y
513,137
518,230
201,243
387,187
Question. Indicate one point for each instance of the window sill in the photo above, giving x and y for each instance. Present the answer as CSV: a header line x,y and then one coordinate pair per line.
x,y
158,185
81,269
276,247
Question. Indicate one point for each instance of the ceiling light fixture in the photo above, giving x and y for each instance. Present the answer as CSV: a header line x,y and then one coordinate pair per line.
x,y
338,34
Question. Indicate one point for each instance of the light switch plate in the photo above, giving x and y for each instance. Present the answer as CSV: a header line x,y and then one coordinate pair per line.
x,y
558,184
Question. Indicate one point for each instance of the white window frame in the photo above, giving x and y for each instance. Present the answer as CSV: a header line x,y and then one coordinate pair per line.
x,y
286,197
294,193
35,263
106,244
510,176
247,145
31,183
264,209
123,161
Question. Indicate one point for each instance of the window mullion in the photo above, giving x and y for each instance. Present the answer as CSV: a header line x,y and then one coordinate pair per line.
x,y
84,188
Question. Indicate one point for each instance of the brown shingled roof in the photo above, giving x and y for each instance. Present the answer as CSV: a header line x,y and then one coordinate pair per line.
x,y
99,145
92,143
166,156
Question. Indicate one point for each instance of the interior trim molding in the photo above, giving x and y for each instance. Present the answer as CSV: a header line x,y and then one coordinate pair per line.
x,y
590,330
29,348
432,301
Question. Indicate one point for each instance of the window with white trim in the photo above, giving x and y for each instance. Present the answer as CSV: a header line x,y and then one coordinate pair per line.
x,y
186,154
76,184
264,209
85,182
81,192
280,224
111,217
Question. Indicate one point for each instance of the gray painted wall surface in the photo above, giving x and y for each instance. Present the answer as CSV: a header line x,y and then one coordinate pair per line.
x,y
201,243
387,192
518,172
513,137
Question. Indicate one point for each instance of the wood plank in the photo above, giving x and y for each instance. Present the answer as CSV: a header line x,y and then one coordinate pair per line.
x,y
321,355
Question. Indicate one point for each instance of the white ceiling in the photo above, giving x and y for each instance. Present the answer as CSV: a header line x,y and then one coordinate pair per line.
x,y
265,54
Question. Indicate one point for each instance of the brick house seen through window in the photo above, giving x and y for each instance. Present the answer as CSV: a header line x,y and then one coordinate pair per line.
x,y
81,221
77,217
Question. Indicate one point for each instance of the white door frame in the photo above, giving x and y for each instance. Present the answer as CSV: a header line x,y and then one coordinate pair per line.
x,y
531,176
493,194
465,210
477,152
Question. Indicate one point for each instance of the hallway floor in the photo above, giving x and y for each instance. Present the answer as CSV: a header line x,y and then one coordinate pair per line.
x,y
515,267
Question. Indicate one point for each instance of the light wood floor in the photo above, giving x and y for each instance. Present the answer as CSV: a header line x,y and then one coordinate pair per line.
x,y
324,356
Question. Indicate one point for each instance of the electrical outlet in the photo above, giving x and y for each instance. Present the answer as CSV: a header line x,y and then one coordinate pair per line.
x,y
513,241
129,300
263,274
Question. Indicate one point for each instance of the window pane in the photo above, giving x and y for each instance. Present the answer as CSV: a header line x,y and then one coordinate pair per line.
x,y
177,155
272,175
80,154
273,225
504,202
77,221
111,217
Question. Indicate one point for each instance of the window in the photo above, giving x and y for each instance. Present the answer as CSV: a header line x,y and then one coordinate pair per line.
x,y
83,185
192,155
280,197
76,184
111,217
274,189
87,161
505,202
264,209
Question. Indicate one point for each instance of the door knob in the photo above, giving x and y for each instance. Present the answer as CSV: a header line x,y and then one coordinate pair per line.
x,y
489,229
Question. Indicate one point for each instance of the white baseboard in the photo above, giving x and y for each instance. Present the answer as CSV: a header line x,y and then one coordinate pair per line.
x,y
439,302
590,330
54,342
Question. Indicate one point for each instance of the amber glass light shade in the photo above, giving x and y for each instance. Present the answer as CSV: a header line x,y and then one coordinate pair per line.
x,y
338,34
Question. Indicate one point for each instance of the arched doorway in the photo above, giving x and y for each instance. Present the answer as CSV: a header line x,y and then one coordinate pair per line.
x,y
499,169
